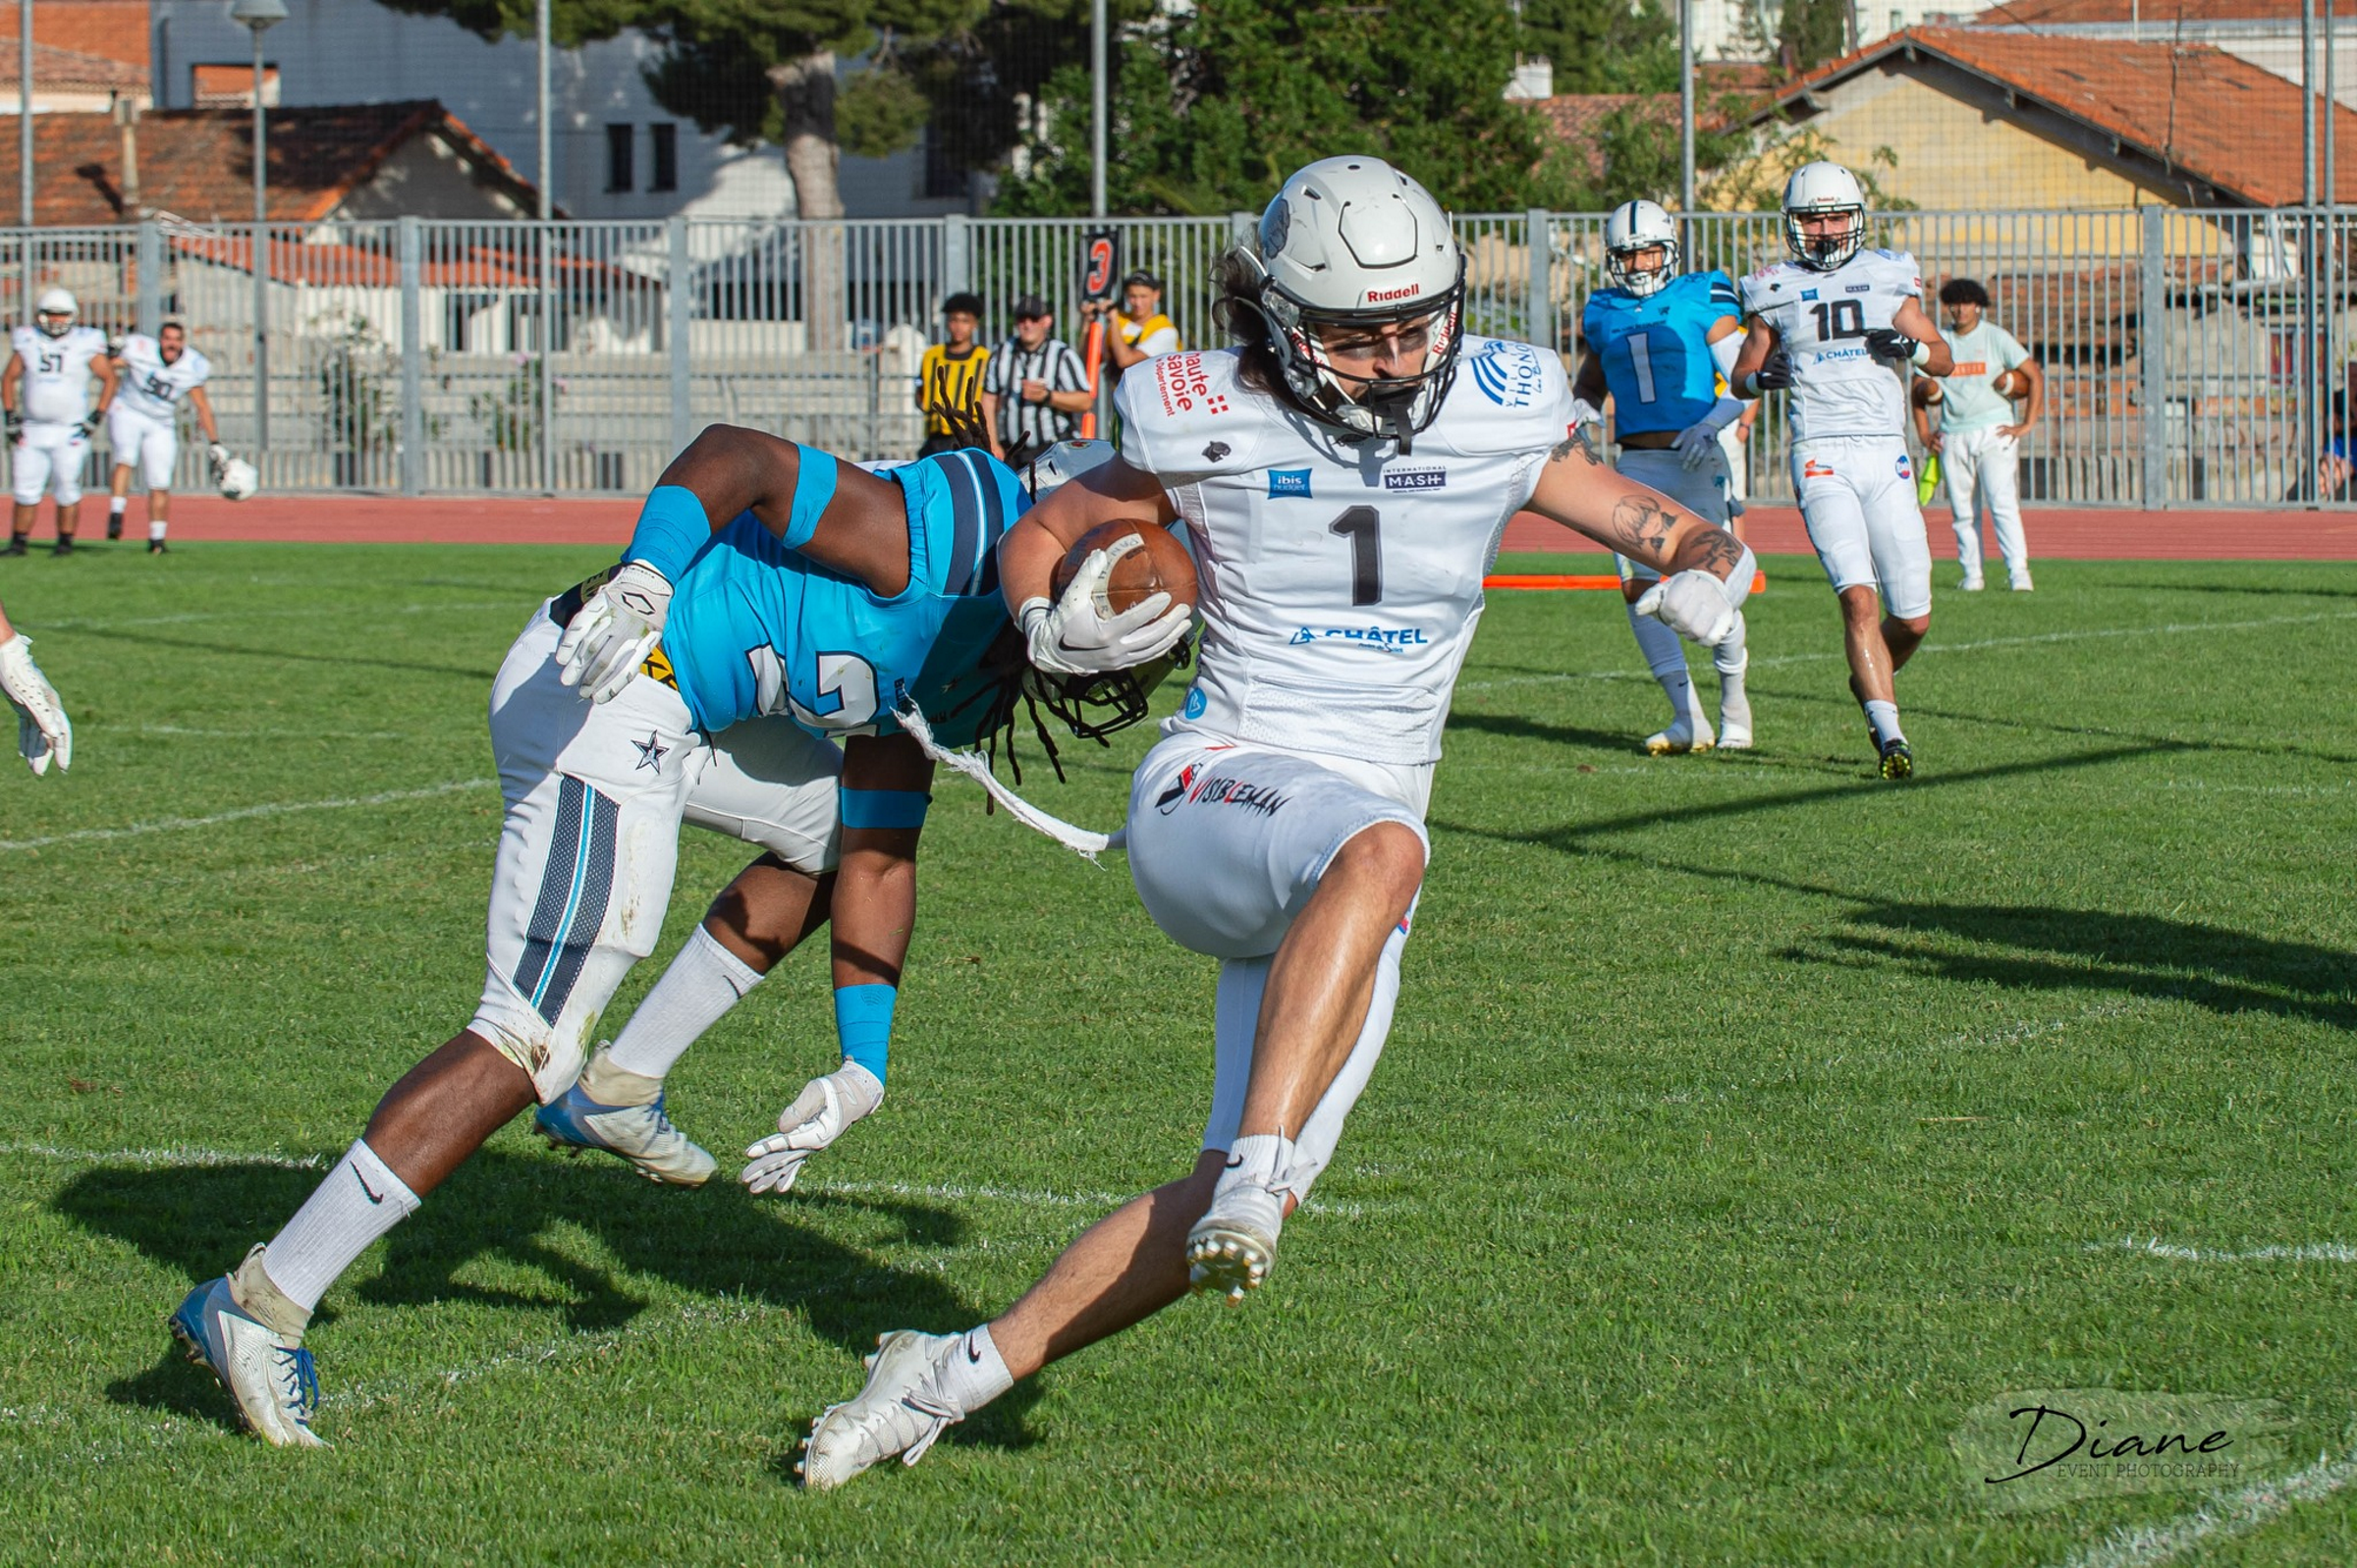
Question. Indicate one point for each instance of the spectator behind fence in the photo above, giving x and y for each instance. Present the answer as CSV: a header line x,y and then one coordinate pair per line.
x,y
1140,330
1979,438
1035,388
2335,465
949,381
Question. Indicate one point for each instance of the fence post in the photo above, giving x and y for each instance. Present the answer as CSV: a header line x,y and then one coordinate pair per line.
x,y
412,367
680,302
956,254
2152,348
151,277
1242,228
1539,236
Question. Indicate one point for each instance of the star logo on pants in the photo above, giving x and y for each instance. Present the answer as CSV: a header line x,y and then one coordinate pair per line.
x,y
651,751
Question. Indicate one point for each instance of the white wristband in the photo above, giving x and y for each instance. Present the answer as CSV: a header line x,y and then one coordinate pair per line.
x,y
1921,357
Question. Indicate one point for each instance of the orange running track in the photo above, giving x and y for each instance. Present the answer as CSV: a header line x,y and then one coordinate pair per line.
x,y
2055,534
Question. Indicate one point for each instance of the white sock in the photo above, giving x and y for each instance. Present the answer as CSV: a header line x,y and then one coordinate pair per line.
x,y
116,505
155,529
1882,718
1260,1159
695,993
971,1375
1733,655
1666,657
360,1201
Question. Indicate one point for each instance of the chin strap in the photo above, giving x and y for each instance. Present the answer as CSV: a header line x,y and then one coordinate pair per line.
x,y
1082,842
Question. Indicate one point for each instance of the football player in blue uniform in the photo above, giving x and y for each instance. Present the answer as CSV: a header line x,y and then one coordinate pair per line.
x,y
1661,342
765,582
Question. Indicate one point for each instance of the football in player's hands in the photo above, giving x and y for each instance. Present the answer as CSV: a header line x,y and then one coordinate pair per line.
x,y
1925,393
1158,564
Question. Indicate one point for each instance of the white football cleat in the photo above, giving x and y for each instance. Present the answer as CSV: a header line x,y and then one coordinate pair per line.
x,y
640,1134
268,1373
2023,584
1972,584
1232,1247
901,1411
1687,734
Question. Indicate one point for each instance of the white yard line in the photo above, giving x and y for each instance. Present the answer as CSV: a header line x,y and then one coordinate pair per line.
x,y
2170,629
2221,1518
1021,1197
243,813
278,735
2155,1247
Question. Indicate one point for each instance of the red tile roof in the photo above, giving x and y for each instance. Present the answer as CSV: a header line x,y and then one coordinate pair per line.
x,y
53,66
198,163
114,30
2194,108
2156,15
472,267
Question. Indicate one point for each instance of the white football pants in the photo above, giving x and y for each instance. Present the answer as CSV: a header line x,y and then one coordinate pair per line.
x,y
1227,843
1982,468
1857,496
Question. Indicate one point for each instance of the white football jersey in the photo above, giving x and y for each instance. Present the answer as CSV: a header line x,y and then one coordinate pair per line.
x,y
1839,389
1341,582
57,372
151,387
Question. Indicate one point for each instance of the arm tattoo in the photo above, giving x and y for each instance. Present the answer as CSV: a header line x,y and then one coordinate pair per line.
x,y
1641,526
1713,550
1575,444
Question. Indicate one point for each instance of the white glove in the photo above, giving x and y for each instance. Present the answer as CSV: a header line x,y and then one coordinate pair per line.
x,y
818,1116
1075,636
1696,605
1584,413
1695,444
42,729
218,455
604,646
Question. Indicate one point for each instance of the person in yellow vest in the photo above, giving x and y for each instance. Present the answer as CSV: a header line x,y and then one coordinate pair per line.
x,y
949,383
1140,330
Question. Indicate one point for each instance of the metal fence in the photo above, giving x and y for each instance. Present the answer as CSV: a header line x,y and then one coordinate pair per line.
x,y
2192,356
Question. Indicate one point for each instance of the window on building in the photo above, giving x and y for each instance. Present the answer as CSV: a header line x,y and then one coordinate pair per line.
x,y
666,147
620,145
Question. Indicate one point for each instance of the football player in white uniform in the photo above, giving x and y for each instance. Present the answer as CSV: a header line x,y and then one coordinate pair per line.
x,y
159,373
45,393
44,734
1837,325
1345,478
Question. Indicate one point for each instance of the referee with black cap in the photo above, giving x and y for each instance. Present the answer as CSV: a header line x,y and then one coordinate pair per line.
x,y
1035,389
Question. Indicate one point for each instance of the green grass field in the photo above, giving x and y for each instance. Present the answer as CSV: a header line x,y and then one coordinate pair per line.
x,y
1746,1120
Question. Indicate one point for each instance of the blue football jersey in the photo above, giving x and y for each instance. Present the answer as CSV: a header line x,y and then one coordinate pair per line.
x,y
756,629
1656,348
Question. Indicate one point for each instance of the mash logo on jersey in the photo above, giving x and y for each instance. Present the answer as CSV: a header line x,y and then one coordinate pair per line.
x,y
1415,478
1390,639
1507,374
1184,386
1857,288
1287,482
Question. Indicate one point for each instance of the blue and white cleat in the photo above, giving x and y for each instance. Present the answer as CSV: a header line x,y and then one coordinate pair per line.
x,y
268,1373
640,1134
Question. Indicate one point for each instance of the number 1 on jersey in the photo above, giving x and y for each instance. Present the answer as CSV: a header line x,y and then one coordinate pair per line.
x,y
1363,528
1640,357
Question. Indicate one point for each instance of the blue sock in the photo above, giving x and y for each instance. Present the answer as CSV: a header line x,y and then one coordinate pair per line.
x,y
863,1023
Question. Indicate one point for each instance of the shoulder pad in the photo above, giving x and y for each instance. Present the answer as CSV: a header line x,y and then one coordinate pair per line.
x,y
1189,414
1509,397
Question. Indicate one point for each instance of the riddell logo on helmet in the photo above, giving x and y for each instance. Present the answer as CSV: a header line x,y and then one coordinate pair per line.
x,y
1376,296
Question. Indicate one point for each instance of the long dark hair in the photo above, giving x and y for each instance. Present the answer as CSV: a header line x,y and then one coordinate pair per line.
x,y
1237,311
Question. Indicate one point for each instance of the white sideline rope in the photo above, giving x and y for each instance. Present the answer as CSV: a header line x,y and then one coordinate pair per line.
x,y
1082,842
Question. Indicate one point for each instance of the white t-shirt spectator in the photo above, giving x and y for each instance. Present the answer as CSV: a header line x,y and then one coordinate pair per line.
x,y
1968,397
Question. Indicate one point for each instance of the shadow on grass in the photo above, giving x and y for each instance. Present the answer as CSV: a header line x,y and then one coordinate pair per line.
x,y
279,652
718,1241
2073,950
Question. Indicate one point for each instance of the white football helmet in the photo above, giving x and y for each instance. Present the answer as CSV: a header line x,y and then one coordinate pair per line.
x,y
1815,189
1063,463
54,311
1352,242
238,480
1636,226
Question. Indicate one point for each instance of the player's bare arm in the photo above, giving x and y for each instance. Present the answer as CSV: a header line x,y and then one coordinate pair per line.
x,y
103,367
205,415
1910,320
874,908
863,532
10,381
2034,405
1758,364
1588,496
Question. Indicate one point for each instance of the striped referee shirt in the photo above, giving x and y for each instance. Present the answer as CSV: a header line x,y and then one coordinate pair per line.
x,y
1033,426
